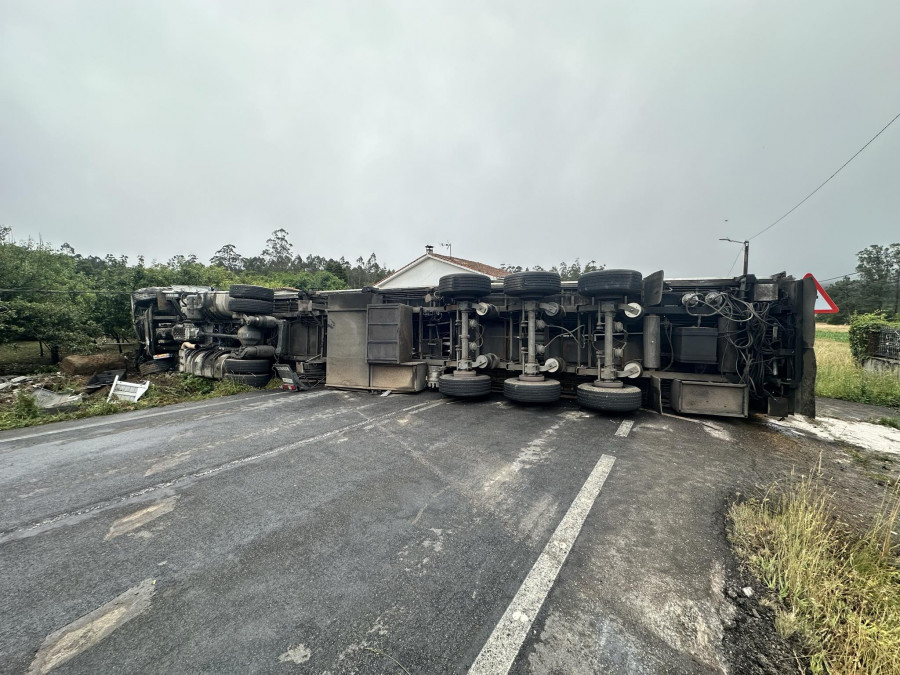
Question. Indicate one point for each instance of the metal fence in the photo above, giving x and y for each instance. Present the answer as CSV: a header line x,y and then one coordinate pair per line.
x,y
889,343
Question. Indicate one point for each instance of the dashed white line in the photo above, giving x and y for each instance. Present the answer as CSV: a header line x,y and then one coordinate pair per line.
x,y
501,648
625,428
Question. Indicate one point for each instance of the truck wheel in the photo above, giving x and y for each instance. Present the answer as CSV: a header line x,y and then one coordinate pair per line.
x,y
249,379
522,391
474,386
613,399
532,285
464,286
610,283
246,366
250,306
251,292
156,366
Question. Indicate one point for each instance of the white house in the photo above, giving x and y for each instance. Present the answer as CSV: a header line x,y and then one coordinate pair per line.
x,y
426,271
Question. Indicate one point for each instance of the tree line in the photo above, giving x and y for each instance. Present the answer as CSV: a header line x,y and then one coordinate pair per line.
x,y
875,286
567,271
68,301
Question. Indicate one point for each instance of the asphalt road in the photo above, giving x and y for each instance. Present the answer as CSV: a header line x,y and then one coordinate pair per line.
x,y
338,532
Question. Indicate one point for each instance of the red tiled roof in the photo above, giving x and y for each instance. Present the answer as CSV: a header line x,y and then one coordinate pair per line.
x,y
474,266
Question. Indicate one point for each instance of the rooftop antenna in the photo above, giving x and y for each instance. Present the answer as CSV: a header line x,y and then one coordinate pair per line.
x,y
449,248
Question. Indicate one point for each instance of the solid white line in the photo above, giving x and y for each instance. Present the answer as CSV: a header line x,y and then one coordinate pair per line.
x,y
119,420
29,530
501,648
625,428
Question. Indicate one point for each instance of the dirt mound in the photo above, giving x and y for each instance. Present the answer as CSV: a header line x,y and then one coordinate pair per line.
x,y
77,364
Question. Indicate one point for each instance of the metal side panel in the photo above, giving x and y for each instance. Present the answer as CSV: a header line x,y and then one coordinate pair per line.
x,y
710,398
346,361
389,333
402,377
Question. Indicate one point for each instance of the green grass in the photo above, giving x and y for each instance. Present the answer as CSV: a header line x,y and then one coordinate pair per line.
x,y
24,358
23,352
164,390
840,377
834,336
893,422
839,593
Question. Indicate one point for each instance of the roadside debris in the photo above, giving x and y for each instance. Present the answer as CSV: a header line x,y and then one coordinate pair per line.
x,y
100,380
50,401
127,391
79,364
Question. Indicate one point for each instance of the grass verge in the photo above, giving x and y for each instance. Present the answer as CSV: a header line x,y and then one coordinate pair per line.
x,y
840,377
164,390
893,422
839,592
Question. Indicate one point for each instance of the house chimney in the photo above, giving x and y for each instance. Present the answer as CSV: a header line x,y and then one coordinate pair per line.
x,y
429,249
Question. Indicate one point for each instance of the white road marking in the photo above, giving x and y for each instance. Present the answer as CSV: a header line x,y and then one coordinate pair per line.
x,y
82,634
73,516
625,428
501,648
114,420
140,518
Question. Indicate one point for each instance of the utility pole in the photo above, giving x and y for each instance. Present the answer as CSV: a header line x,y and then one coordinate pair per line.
x,y
746,245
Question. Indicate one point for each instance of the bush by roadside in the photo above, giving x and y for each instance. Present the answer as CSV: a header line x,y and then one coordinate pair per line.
x,y
865,327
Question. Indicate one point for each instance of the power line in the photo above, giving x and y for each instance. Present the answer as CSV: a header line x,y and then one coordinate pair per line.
x,y
840,276
48,290
801,202
734,263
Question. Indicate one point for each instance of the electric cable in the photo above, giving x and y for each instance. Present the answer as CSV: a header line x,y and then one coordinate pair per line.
x,y
730,269
48,290
802,201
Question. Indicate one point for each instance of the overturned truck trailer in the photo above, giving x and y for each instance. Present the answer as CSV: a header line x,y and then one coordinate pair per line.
x,y
614,340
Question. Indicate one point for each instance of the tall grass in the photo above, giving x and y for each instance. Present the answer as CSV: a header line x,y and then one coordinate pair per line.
x,y
840,377
840,593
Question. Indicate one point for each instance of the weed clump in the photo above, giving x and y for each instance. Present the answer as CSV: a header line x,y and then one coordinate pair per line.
x,y
840,593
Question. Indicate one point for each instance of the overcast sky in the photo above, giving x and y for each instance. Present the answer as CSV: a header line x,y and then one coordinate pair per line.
x,y
524,133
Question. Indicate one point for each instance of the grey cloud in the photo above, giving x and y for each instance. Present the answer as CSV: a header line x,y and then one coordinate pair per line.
x,y
525,133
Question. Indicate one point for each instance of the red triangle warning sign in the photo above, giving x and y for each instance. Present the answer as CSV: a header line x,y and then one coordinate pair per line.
x,y
824,304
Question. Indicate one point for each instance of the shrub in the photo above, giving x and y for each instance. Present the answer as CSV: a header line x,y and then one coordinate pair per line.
x,y
862,329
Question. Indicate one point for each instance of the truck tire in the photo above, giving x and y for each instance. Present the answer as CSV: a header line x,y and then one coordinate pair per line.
x,y
249,379
532,285
251,292
156,366
610,283
250,306
246,366
612,399
522,391
464,286
145,294
474,386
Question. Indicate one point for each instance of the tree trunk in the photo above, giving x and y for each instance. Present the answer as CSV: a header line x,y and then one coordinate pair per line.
x,y
41,347
897,297
54,354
